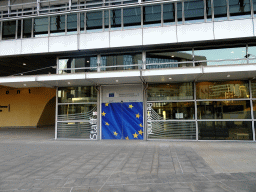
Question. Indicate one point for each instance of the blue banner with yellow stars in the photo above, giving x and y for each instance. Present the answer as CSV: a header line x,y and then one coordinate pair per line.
x,y
122,120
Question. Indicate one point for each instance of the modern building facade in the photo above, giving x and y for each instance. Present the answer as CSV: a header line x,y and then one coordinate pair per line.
x,y
130,69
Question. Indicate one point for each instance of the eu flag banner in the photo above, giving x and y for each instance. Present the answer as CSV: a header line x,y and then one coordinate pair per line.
x,y
122,120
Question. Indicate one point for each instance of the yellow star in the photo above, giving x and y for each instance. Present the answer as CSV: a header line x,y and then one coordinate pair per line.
x,y
138,115
107,123
135,135
106,104
115,133
141,125
130,106
103,114
127,138
140,132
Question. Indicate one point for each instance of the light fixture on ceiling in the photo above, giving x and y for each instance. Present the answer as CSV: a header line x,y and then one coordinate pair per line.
x,y
25,85
228,75
170,78
88,61
24,64
117,80
69,83
172,55
21,74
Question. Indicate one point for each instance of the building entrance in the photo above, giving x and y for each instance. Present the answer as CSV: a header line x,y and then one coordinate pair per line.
x,y
122,112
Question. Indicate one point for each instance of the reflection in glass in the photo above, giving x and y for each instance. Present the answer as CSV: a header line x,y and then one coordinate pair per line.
x,y
76,65
222,90
220,9
169,13
209,10
152,14
76,111
194,11
115,18
77,94
218,54
173,110
239,8
178,91
225,130
253,85
165,59
109,62
172,130
254,109
223,109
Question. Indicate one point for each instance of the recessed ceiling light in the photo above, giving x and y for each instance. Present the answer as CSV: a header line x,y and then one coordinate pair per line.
x,y
88,61
69,83
24,64
117,80
25,85
21,74
170,78
228,75
172,55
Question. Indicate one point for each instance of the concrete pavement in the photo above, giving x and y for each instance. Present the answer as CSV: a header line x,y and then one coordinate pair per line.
x,y
31,160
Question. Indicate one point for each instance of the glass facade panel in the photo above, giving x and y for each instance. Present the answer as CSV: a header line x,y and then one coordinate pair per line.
x,y
194,11
221,56
152,14
225,130
41,26
208,10
253,85
169,59
77,94
94,20
57,25
254,109
82,21
115,18
177,91
231,109
171,130
109,62
173,110
18,23
71,23
76,111
251,55
222,90
106,19
132,16
9,29
220,9
27,28
239,8
76,65
169,13
179,12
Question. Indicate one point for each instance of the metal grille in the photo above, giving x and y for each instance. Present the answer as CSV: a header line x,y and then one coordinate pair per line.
x,y
172,130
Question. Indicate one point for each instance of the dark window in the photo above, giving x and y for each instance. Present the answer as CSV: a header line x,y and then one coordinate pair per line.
x,y
208,9
194,10
132,16
72,22
239,7
115,16
94,20
27,27
40,26
58,24
106,19
179,12
220,9
151,14
82,21
169,12
19,29
9,28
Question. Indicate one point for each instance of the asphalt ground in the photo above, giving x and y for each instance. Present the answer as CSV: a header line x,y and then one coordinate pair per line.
x,y
31,160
